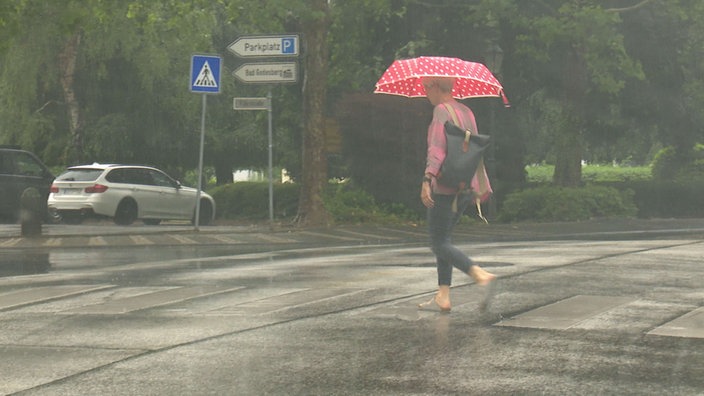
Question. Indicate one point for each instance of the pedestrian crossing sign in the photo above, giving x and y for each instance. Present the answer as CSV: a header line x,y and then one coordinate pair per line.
x,y
205,74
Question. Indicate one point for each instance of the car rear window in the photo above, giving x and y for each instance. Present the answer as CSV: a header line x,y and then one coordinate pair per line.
x,y
80,175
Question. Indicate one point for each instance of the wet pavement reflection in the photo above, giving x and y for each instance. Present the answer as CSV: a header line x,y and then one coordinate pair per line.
x,y
567,317
23,262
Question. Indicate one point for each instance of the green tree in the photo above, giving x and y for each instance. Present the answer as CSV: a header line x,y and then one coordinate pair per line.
x,y
105,80
109,72
312,19
39,71
666,38
575,53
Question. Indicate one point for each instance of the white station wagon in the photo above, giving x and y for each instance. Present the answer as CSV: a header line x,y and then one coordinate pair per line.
x,y
125,193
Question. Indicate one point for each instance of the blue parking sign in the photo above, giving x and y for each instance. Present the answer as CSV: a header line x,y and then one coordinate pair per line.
x,y
288,46
205,74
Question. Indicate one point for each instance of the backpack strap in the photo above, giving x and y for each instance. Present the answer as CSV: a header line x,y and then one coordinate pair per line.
x,y
453,114
455,120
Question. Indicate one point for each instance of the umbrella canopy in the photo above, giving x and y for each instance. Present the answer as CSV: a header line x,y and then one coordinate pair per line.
x,y
472,80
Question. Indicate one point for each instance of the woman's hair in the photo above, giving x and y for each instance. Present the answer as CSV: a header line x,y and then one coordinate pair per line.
x,y
445,84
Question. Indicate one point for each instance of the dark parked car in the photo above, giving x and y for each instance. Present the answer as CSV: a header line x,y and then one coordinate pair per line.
x,y
19,171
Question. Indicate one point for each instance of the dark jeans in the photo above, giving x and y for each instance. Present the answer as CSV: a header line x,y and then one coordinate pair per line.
x,y
441,221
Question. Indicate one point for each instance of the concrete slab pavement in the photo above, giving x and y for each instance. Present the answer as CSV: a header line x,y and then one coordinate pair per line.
x,y
348,325
342,318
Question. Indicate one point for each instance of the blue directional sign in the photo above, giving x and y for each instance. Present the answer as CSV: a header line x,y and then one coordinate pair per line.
x,y
205,74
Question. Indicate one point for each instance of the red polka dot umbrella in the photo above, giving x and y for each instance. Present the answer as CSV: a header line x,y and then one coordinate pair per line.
x,y
473,80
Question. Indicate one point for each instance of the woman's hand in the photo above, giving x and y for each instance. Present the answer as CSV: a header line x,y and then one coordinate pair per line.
x,y
426,195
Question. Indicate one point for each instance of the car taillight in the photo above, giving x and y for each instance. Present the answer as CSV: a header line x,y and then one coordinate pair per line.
x,y
96,188
54,189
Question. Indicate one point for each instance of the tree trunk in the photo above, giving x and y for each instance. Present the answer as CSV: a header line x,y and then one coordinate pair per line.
x,y
311,211
568,165
223,172
67,65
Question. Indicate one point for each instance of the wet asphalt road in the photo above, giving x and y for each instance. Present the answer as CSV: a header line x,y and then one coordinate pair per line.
x,y
319,312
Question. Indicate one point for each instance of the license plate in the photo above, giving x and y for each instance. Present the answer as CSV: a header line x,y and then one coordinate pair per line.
x,y
71,191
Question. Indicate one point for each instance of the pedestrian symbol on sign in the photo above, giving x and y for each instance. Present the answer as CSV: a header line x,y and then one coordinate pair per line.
x,y
205,77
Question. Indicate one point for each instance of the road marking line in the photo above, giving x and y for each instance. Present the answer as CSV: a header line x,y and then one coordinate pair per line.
x,y
223,238
287,300
183,239
11,242
97,241
366,235
566,313
53,242
320,234
690,325
151,300
420,233
35,295
274,239
141,240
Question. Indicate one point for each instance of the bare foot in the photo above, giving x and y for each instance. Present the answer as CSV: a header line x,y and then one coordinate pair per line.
x,y
480,276
443,302
442,298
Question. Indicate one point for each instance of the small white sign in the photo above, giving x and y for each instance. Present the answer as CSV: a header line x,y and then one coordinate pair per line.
x,y
283,72
250,104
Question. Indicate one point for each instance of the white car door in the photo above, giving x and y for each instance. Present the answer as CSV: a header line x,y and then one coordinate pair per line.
x,y
147,195
175,202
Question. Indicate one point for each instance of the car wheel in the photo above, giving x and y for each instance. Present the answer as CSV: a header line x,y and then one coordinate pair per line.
x,y
53,217
152,221
126,212
206,213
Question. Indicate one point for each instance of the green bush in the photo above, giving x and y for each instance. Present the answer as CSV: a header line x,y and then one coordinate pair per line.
x,y
629,193
610,173
348,203
691,173
665,164
250,200
345,202
666,191
542,174
566,204
539,174
668,198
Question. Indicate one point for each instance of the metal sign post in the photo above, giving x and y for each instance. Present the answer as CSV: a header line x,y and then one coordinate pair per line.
x,y
205,79
262,104
268,46
271,156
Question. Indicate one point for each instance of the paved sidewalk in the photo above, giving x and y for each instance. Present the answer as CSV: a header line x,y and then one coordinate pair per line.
x,y
610,306
607,228
598,229
609,317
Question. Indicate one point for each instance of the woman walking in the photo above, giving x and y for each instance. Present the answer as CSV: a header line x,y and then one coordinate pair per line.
x,y
446,204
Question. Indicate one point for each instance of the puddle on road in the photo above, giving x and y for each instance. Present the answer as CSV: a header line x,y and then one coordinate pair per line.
x,y
14,263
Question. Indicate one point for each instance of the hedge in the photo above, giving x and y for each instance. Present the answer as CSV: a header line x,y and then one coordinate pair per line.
x,y
567,204
250,200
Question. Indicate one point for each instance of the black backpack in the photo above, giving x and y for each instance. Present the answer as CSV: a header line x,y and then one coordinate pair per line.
x,y
465,152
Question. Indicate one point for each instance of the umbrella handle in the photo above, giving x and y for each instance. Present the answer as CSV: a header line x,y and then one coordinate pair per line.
x,y
505,99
